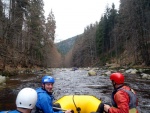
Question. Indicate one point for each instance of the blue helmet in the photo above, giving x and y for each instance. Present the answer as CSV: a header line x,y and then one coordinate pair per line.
x,y
47,79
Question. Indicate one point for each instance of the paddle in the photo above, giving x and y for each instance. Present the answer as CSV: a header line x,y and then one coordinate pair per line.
x,y
62,109
97,112
94,112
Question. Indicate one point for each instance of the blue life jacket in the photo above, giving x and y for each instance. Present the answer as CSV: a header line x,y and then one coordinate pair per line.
x,y
45,102
14,111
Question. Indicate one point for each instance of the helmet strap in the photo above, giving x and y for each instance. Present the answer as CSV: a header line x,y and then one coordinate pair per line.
x,y
114,84
43,86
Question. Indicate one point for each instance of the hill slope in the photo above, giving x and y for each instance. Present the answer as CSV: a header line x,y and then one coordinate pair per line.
x,y
64,46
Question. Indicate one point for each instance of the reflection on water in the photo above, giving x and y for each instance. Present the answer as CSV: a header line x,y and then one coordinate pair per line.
x,y
7,99
75,82
11,89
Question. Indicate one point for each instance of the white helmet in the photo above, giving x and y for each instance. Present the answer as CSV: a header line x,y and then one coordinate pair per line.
x,y
26,98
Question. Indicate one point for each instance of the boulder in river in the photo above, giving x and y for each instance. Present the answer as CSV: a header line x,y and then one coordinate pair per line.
x,y
2,79
145,76
92,73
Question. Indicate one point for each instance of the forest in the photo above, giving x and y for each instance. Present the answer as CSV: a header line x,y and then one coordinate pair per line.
x,y
121,36
27,37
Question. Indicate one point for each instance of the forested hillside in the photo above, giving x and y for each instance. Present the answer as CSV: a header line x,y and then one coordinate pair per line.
x,y
26,36
128,36
121,36
64,46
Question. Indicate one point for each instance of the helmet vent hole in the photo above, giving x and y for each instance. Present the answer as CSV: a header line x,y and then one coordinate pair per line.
x,y
20,103
30,104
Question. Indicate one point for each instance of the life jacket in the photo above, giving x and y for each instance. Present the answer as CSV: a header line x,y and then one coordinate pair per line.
x,y
38,110
42,93
4,111
14,111
132,96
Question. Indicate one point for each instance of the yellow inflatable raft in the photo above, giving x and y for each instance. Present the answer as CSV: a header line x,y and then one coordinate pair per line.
x,y
79,103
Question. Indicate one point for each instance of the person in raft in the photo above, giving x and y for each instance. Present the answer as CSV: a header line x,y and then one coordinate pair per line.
x,y
25,101
45,97
124,99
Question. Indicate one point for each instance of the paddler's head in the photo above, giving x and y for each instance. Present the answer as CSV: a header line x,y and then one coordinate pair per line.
x,y
117,79
26,99
47,83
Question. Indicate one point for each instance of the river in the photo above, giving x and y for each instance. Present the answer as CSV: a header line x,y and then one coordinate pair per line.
x,y
75,82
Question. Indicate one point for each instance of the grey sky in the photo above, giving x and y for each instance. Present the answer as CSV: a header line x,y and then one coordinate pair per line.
x,y
72,16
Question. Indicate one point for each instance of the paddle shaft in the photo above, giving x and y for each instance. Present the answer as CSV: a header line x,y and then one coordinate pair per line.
x,y
59,109
62,109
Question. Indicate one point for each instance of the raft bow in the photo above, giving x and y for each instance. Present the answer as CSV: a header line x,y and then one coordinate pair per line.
x,y
79,103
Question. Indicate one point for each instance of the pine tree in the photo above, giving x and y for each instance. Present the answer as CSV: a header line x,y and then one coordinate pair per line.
x,y
36,30
51,26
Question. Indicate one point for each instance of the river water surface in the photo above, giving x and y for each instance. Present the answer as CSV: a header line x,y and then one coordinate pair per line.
x,y
74,82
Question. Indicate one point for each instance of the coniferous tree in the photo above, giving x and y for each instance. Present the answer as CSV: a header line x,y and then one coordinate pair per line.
x,y
51,26
1,19
133,25
36,28
104,39
100,36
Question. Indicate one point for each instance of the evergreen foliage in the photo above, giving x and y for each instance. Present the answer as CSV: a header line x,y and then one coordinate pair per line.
x,y
24,33
104,39
27,38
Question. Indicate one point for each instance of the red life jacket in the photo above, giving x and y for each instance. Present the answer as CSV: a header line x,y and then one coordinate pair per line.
x,y
132,96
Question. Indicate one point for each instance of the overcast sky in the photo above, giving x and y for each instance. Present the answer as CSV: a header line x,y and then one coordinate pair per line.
x,y
72,16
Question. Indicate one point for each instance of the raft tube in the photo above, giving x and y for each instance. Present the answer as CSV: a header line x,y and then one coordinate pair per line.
x,y
84,103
